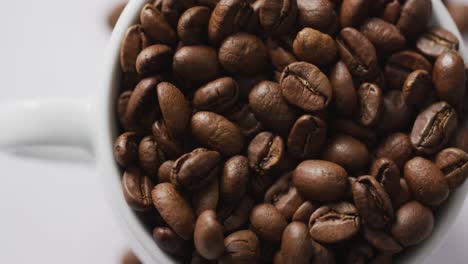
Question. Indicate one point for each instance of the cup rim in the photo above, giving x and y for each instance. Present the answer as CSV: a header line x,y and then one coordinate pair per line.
x,y
139,237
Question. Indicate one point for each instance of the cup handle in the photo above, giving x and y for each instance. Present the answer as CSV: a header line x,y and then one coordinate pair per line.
x,y
46,122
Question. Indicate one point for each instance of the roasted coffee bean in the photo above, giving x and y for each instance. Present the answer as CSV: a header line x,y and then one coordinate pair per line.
x,y
373,202
270,108
334,223
171,243
156,26
413,224
284,196
266,152
304,211
241,247
135,40
126,149
277,16
137,189
426,181
150,156
396,114
172,147
196,169
436,41
305,86
243,54
347,152
392,11
396,147
311,177
387,173
206,198
344,100
349,127
192,27
234,179
353,12
218,96
433,128
317,14
448,76
460,138
370,101
416,87
381,241
401,64
247,83
414,17
216,132
245,119
296,244
453,163
154,59
166,198
164,171
267,222
174,108
228,17
315,47
280,55
385,36
239,216
208,236
196,64
307,137
358,53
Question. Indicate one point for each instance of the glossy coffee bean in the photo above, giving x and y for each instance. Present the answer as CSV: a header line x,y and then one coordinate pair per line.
x,y
401,64
347,152
416,87
453,163
334,223
208,236
218,96
216,132
277,16
436,41
267,222
396,147
370,102
236,59
137,189
307,137
385,36
239,216
353,12
396,114
150,156
165,199
126,149
448,76
170,242
284,196
315,47
196,64
206,198
387,173
171,146
154,59
134,41
317,14
266,152
279,53
228,17
311,177
243,116
296,244
344,102
164,171
241,246
415,15
192,27
426,181
305,86
352,128
175,109
414,223
373,202
304,211
382,241
433,128
234,179
156,26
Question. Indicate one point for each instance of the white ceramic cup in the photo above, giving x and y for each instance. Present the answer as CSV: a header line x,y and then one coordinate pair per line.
x,y
90,123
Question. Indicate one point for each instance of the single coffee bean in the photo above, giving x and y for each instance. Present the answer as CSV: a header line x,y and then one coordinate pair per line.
x,y
216,132
284,196
164,171
247,83
172,147
206,198
134,41
236,59
154,59
416,87
334,223
175,109
171,243
196,64
126,149
387,173
381,241
137,189
353,12
396,147
385,36
218,96
315,47
433,128
348,152
344,102
239,216
296,244
280,55
453,163
358,252
414,17
448,76
234,180
350,127
166,198
304,211
228,17
401,64
150,156
241,247
208,237
358,53
396,114
266,152
305,86
317,14
277,16
413,224
436,41
270,108
370,101
460,138
426,181
245,119
156,26
373,202
192,27
196,169
311,177
307,137
267,222
392,11
403,196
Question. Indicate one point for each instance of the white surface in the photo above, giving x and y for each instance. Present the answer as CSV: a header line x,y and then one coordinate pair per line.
x,y
54,211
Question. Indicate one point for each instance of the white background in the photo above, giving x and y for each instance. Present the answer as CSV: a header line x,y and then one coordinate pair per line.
x,y
53,211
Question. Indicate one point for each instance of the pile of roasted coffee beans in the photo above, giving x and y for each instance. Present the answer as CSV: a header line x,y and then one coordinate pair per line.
x,y
290,131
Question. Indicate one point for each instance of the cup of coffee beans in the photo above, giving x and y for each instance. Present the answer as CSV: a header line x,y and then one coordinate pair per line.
x,y
291,131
